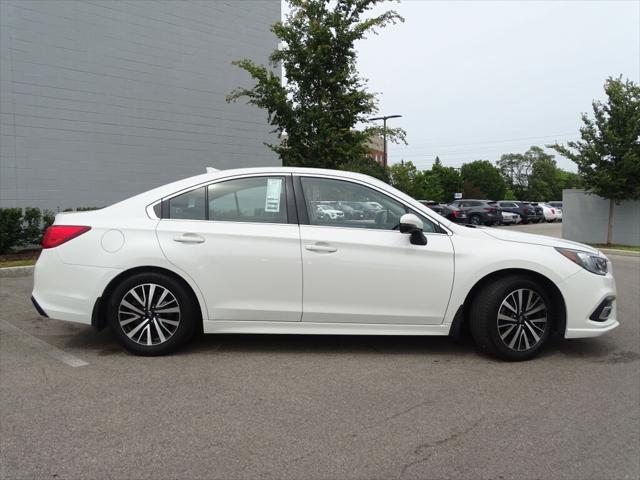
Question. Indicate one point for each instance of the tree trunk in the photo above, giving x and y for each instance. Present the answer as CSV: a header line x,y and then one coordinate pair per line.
x,y
610,226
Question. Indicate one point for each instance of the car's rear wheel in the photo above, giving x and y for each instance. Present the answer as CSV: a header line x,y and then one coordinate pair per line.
x,y
511,318
152,314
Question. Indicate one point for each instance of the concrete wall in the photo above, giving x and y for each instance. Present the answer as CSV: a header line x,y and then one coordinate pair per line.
x,y
585,219
100,100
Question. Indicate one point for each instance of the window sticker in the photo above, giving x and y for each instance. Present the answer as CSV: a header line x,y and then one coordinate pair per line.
x,y
274,189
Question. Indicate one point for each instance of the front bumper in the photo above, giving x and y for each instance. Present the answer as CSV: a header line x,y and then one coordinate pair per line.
x,y
584,292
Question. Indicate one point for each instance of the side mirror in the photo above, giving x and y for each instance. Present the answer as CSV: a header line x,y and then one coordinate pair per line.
x,y
411,224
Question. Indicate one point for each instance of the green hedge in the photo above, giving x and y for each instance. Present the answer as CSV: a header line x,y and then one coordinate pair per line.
x,y
24,228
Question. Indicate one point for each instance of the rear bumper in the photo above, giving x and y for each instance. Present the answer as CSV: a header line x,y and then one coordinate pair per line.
x,y
68,292
38,308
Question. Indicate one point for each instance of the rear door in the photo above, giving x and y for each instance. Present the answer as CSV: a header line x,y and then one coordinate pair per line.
x,y
239,240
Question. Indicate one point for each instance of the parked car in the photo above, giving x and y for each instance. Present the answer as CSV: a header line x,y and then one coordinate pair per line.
x,y
479,212
327,212
242,251
526,211
558,207
509,218
447,211
550,214
350,213
369,210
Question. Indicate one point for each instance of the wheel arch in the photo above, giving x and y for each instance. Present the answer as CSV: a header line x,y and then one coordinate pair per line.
x,y
99,314
559,306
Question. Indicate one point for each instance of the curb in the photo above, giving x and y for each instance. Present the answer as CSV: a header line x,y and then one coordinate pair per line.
x,y
12,272
622,253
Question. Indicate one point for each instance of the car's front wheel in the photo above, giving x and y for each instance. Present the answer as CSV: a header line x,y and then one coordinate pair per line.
x,y
510,318
475,220
152,314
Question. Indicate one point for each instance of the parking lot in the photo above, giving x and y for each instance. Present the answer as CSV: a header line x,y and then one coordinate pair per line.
x,y
74,405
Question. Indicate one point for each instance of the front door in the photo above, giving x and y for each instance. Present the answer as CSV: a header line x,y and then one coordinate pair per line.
x,y
359,268
238,242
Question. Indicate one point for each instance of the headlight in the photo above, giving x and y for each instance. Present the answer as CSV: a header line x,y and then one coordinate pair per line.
x,y
594,263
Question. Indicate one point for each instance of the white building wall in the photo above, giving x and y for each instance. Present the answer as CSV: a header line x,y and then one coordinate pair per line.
x,y
585,219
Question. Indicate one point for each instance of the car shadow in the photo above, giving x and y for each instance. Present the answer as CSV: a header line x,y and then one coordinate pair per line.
x,y
600,350
330,344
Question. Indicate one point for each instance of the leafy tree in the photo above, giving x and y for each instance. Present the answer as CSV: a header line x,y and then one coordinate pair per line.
x,y
323,98
406,177
368,166
544,180
449,179
509,195
429,186
608,154
483,179
567,180
516,169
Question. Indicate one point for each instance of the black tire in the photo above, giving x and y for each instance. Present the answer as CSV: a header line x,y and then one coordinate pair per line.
x,y
484,319
173,336
475,220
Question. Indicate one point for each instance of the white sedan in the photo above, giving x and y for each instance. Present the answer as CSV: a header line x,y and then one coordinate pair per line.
x,y
551,214
242,251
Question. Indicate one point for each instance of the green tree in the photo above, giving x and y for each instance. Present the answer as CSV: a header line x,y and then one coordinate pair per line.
x,y
608,154
368,166
429,186
449,179
544,181
516,169
407,178
482,178
324,97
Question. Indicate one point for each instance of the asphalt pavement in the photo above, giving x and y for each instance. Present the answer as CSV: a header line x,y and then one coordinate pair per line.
x,y
74,405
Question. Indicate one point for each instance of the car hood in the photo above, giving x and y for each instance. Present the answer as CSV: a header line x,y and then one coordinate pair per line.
x,y
520,237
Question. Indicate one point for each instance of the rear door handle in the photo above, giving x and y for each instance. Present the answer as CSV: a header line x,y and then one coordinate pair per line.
x,y
189,238
321,247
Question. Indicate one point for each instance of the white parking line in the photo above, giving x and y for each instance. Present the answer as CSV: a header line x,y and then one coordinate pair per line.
x,y
38,344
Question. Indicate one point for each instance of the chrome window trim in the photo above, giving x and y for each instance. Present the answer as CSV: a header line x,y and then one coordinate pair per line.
x,y
206,183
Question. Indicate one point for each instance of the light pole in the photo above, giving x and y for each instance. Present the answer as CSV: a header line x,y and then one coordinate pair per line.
x,y
384,134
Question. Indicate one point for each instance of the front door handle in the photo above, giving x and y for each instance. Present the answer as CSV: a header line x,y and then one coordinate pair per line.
x,y
189,238
321,247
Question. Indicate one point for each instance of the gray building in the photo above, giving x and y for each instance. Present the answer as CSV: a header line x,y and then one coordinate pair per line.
x,y
100,100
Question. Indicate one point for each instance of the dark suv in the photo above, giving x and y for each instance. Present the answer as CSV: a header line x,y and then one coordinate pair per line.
x,y
447,211
480,212
527,212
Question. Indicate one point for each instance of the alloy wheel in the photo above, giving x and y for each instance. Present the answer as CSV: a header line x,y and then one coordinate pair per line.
x,y
522,319
149,314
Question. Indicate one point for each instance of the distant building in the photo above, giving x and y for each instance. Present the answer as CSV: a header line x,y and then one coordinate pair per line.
x,y
376,145
100,100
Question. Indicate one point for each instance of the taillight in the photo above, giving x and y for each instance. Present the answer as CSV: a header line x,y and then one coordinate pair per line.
x,y
553,211
490,209
454,213
59,234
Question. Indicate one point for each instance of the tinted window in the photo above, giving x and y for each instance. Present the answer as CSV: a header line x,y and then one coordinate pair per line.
x,y
189,206
257,199
341,203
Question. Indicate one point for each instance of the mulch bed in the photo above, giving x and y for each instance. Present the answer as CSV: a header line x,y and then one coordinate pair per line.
x,y
31,254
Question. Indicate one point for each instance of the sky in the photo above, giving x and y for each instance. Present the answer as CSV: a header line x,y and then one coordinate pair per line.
x,y
477,79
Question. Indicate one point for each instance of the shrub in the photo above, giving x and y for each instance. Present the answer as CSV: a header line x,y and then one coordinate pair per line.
x,y
10,228
31,226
